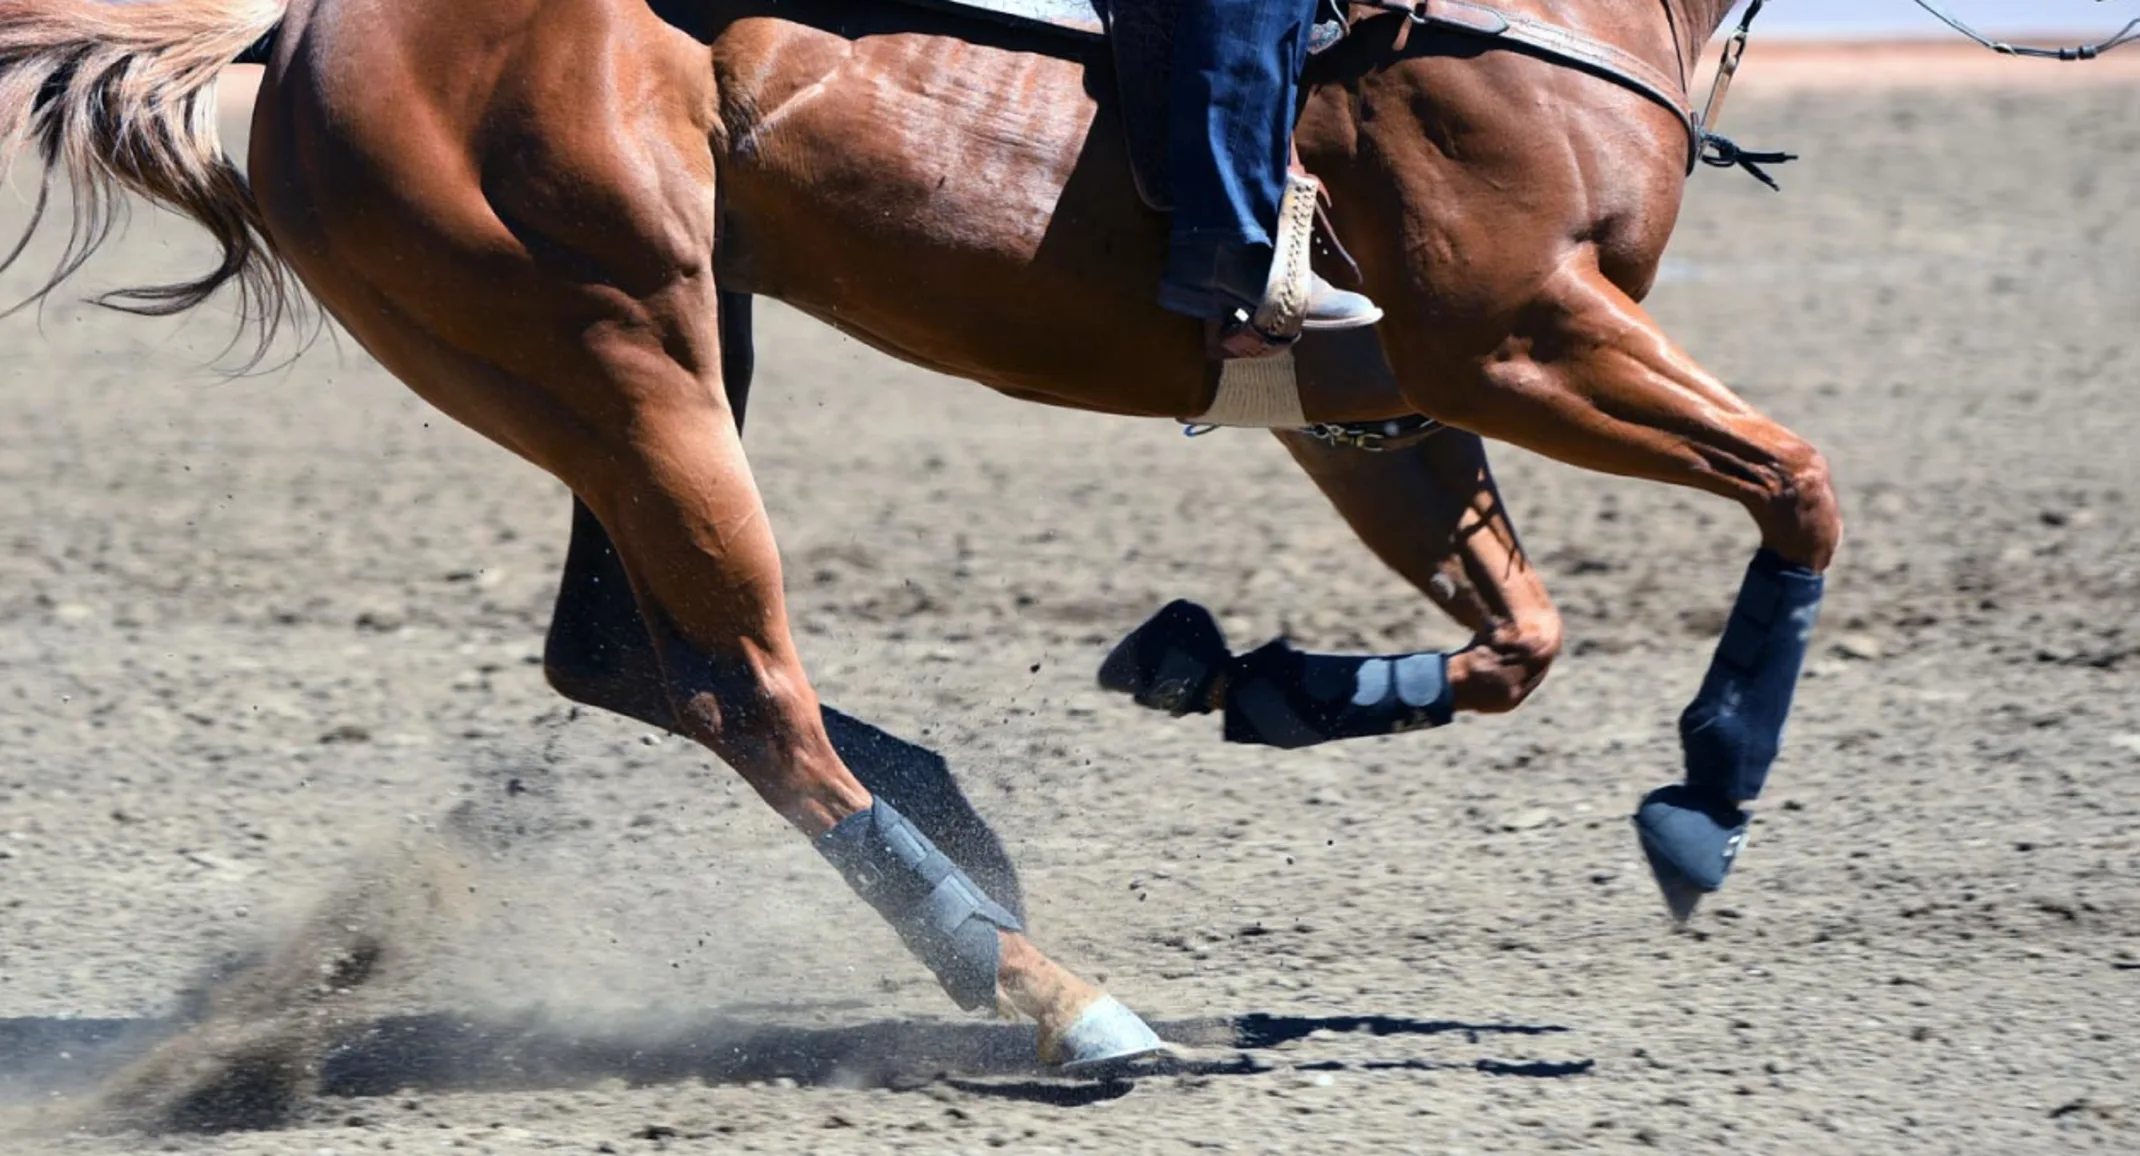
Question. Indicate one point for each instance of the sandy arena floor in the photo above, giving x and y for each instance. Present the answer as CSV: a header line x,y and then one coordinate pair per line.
x,y
262,636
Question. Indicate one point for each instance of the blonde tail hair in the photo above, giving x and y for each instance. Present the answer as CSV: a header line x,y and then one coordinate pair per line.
x,y
120,97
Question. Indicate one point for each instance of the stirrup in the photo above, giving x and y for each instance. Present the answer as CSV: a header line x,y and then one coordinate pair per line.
x,y
1236,338
1290,291
1291,285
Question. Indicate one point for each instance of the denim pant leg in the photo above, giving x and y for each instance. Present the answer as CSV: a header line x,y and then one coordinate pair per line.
x,y
1232,99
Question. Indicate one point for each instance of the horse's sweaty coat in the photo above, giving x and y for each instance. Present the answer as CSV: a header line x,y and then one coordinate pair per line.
x,y
548,217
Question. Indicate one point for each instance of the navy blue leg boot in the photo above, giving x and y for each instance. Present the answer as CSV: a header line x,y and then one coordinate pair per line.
x,y
1692,831
1172,662
1275,695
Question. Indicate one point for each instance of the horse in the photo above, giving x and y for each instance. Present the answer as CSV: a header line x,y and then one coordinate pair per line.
x,y
549,219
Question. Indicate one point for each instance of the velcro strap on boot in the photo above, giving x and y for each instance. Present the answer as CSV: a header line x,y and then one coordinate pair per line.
x,y
1279,697
942,915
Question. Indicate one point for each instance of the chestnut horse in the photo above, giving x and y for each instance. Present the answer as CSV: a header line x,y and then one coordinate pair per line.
x,y
547,217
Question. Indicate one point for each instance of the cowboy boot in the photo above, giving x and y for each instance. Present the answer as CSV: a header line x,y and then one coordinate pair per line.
x,y
1329,307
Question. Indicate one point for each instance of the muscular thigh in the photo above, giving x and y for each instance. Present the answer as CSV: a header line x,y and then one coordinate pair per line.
x,y
506,230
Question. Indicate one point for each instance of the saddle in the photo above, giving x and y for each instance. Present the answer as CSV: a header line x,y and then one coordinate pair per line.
x,y
1139,36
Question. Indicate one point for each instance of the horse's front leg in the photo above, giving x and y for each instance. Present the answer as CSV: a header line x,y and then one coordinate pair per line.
x,y
1586,377
1433,514
1430,511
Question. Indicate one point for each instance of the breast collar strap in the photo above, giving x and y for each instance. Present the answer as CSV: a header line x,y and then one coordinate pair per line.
x,y
1561,45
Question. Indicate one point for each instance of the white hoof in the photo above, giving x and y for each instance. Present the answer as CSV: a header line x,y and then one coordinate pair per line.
x,y
1105,1035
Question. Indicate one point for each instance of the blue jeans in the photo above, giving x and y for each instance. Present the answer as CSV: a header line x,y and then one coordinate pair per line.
x,y
1234,91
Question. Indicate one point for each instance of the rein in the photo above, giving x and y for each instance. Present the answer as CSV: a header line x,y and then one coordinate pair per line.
x,y
1718,151
2125,35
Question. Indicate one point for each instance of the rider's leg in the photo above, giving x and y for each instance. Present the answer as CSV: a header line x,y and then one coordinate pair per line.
x,y
1589,379
1234,93
1432,513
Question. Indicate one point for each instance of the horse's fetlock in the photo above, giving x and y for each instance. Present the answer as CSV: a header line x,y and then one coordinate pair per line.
x,y
1507,663
1726,747
1533,645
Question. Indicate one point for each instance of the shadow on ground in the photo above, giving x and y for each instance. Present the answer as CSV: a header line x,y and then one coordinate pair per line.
x,y
446,1052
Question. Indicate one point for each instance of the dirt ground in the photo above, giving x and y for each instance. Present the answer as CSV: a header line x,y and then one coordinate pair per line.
x,y
262,637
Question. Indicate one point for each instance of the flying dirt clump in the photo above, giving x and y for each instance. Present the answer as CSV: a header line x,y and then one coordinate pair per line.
x,y
249,1053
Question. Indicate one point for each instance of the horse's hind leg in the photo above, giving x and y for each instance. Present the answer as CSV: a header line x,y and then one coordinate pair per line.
x,y
671,484
1433,513
565,308
655,454
599,653
1589,379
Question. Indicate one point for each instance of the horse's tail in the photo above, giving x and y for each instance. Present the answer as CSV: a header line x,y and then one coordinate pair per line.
x,y
120,97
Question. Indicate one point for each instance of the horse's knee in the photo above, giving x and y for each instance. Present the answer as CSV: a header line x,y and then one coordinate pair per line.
x,y
1797,508
1498,672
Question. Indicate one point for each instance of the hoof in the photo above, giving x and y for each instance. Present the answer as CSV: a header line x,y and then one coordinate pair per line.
x,y
1104,1038
1690,842
1171,662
